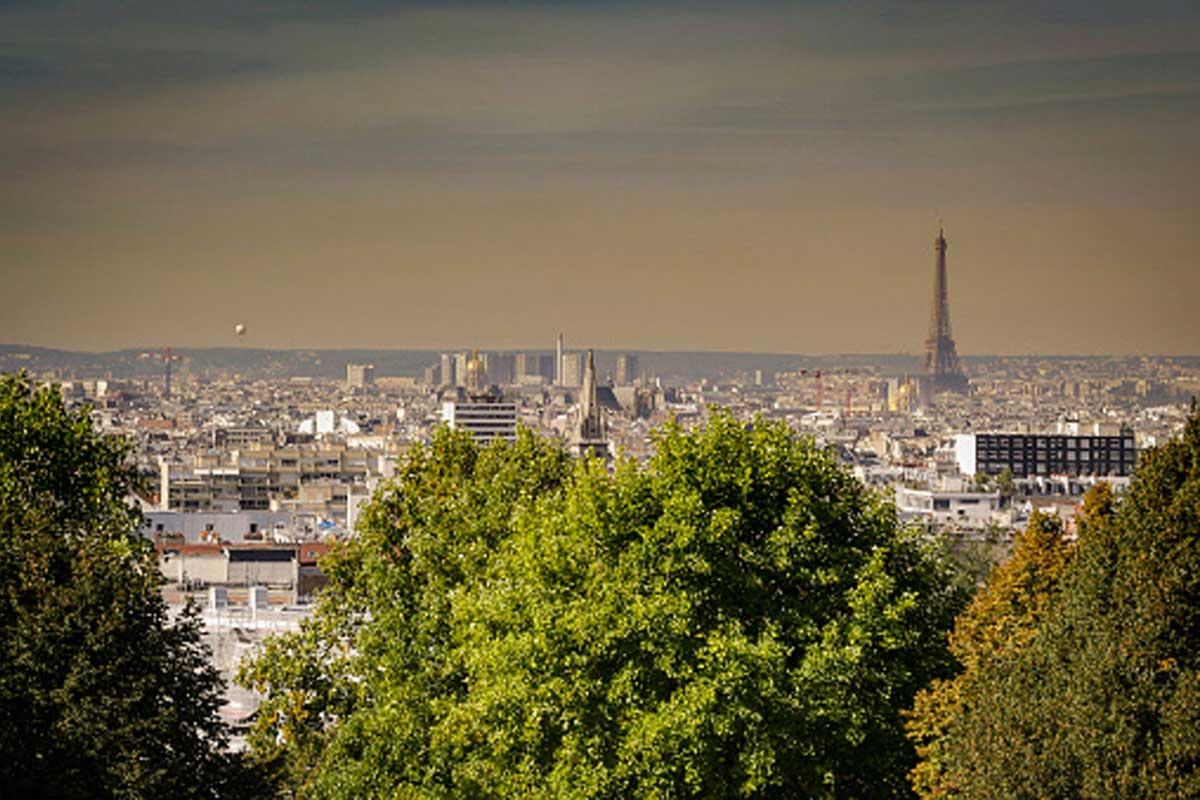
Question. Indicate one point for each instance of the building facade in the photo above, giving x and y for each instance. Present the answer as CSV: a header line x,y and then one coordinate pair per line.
x,y
969,510
485,421
485,417
1038,454
572,369
627,369
501,368
534,367
267,478
360,376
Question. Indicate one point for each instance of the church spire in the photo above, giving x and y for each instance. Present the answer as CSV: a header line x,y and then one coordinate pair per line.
x,y
590,434
588,397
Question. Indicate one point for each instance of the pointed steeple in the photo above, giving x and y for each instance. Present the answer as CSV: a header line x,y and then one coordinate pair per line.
x,y
588,402
590,434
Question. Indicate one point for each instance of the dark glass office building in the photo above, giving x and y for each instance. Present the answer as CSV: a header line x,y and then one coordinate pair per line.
x,y
1055,454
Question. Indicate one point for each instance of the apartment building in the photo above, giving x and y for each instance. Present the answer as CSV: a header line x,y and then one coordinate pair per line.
x,y
264,478
1037,454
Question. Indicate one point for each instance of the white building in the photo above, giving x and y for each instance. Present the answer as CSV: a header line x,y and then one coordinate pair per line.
x,y
326,423
951,509
483,419
271,478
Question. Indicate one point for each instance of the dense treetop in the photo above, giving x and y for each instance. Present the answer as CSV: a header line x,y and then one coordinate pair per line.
x,y
739,616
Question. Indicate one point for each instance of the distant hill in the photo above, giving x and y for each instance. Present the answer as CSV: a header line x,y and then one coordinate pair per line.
x,y
248,362
260,363
671,366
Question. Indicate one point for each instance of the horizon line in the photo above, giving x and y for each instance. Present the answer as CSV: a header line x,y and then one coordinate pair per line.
x,y
610,349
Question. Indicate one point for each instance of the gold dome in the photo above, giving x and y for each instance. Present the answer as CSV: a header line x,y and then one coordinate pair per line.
x,y
476,373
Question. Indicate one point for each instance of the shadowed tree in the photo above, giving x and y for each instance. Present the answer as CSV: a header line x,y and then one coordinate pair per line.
x,y
102,694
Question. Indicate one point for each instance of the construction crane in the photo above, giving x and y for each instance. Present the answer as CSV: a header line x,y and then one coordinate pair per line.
x,y
167,356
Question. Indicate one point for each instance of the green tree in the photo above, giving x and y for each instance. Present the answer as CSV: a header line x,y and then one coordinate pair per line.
x,y
738,617
101,693
1129,631
1102,697
1006,486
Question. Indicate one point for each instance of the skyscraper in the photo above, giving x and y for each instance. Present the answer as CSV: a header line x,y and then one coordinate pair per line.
x,y
571,369
558,363
460,368
501,368
359,376
627,369
941,356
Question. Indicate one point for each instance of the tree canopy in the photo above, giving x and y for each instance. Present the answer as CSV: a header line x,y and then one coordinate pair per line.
x,y
1081,665
737,617
1000,621
102,694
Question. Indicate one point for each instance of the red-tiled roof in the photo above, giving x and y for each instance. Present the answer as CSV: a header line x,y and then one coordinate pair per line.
x,y
311,551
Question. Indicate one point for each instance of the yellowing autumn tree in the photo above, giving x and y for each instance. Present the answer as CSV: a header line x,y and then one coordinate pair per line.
x,y
1081,665
1001,620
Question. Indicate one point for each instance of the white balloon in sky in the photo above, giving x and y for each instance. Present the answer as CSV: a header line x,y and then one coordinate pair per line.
x,y
239,329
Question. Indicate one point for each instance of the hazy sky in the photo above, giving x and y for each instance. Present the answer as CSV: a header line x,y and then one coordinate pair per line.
x,y
735,176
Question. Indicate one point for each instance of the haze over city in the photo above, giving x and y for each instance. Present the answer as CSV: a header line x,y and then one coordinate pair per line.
x,y
598,400
745,177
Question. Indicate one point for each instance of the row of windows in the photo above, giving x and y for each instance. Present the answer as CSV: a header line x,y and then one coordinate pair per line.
x,y
1023,469
1078,455
1056,447
1070,442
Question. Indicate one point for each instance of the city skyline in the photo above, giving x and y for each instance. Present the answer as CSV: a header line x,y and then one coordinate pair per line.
x,y
750,178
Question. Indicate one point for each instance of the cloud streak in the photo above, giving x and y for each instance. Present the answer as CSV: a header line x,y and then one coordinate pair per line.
x,y
219,137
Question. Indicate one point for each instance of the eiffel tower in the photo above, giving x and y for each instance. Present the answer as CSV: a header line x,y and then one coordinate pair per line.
x,y
941,356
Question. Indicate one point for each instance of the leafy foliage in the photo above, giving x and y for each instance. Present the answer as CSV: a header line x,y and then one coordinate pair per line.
x,y
1088,684
738,617
101,694
1000,621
